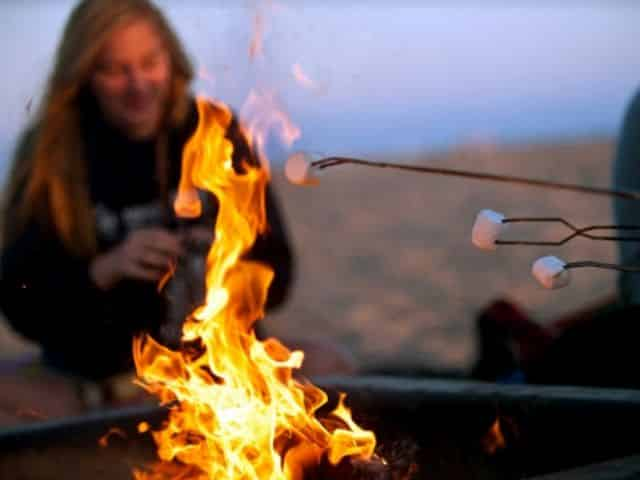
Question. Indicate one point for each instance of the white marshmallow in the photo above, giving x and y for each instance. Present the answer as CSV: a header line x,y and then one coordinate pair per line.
x,y
550,272
487,228
299,171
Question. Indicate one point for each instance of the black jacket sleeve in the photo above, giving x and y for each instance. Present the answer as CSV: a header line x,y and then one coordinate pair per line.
x,y
47,295
626,176
44,290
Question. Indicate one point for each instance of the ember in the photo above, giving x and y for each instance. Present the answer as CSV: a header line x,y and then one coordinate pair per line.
x,y
494,439
104,440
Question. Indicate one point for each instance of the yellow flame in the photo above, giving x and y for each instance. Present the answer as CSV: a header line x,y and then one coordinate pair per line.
x,y
236,412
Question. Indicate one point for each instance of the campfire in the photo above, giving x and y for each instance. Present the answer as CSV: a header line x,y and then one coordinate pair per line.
x,y
232,408
236,410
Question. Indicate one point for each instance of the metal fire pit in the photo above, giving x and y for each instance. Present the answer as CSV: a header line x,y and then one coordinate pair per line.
x,y
431,429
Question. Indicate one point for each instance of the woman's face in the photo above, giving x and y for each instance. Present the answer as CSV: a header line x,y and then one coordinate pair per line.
x,y
132,78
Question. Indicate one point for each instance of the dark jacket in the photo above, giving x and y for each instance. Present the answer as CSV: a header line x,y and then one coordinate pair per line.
x,y
46,292
626,176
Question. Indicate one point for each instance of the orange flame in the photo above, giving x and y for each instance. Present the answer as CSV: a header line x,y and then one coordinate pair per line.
x,y
236,412
494,439
264,114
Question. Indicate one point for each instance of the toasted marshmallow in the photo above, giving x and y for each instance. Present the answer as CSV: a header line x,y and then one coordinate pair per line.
x,y
550,272
299,171
187,203
487,228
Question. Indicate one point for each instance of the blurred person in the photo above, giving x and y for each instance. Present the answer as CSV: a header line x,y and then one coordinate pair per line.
x,y
592,347
87,226
626,175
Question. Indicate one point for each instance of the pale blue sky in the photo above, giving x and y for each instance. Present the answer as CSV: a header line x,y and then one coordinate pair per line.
x,y
392,76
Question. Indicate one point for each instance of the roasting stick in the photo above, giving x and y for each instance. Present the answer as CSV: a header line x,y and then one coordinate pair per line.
x,y
490,224
302,169
577,232
551,272
333,161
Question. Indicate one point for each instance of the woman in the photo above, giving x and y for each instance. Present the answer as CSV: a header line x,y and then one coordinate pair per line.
x,y
88,228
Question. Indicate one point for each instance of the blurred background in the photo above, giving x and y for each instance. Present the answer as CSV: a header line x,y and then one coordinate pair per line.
x,y
386,266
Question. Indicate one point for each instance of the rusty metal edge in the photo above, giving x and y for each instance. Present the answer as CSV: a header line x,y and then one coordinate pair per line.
x,y
626,468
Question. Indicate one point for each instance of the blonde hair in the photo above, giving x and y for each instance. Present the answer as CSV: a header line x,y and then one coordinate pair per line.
x,y
48,180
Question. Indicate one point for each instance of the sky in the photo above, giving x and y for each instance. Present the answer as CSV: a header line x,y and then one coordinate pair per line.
x,y
387,77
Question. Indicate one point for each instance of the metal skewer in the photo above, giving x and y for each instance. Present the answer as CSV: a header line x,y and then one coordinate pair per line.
x,y
606,266
577,232
335,161
328,162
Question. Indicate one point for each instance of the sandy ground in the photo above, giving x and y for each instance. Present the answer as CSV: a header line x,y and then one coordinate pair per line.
x,y
385,263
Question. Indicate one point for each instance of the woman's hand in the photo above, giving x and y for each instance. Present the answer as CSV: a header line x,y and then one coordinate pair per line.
x,y
199,236
145,254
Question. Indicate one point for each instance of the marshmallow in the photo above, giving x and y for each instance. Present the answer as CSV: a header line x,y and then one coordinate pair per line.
x,y
487,228
299,171
187,203
550,272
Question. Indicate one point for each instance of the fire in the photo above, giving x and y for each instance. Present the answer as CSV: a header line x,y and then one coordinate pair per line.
x,y
494,439
104,440
236,412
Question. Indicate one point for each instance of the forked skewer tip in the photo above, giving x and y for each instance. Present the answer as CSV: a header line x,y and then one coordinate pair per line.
x,y
487,228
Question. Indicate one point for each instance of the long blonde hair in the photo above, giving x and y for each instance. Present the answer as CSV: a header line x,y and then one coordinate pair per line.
x,y
48,180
